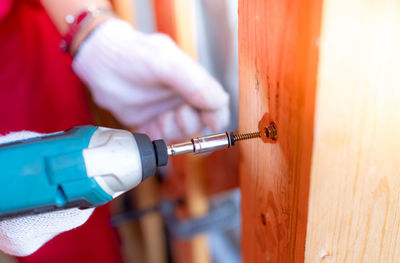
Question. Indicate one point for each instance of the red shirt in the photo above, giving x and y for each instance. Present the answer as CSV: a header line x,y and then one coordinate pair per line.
x,y
39,92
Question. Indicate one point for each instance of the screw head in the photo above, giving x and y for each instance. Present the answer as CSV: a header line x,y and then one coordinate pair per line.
x,y
268,129
271,131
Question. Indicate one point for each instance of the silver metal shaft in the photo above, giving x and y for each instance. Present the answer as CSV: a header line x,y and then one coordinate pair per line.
x,y
201,144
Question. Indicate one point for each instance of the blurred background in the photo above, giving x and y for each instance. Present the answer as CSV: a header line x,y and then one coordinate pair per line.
x,y
190,211
198,196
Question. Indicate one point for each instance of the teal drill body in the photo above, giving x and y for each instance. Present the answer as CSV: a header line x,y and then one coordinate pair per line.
x,y
85,166
48,173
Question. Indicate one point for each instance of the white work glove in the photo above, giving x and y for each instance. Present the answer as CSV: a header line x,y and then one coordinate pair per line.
x,y
147,82
24,235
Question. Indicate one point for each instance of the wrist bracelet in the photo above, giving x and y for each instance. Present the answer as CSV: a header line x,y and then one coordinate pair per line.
x,y
78,22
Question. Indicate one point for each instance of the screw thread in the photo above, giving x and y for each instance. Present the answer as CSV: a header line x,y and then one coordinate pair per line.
x,y
246,136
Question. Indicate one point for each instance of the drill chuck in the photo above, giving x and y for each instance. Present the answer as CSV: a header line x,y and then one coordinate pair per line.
x,y
218,141
202,144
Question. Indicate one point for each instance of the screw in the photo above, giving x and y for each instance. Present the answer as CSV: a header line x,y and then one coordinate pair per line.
x,y
246,136
270,132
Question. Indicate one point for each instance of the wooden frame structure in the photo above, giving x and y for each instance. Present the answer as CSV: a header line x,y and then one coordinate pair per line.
x,y
328,73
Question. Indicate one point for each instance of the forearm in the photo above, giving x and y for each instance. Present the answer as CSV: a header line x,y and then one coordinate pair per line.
x,y
59,9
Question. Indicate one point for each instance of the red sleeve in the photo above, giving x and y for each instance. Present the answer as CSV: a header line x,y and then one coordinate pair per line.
x,y
40,92
5,6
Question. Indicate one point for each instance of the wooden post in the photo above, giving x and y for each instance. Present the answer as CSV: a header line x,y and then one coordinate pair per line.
x,y
164,12
152,226
355,177
177,18
331,196
277,75
125,9
143,241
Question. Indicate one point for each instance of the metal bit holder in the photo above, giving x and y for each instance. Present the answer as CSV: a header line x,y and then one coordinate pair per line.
x,y
218,141
201,144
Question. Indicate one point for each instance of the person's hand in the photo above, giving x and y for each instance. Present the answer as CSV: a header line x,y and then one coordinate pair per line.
x,y
24,235
146,81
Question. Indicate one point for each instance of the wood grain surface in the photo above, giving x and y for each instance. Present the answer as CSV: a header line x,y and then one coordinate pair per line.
x,y
354,213
278,57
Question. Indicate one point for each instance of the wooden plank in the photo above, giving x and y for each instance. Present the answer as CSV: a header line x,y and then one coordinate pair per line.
x,y
185,26
278,57
142,241
195,191
173,185
354,194
177,18
164,13
152,225
222,171
197,204
125,9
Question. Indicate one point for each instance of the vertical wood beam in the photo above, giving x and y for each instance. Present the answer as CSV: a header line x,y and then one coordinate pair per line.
x,y
143,241
185,25
125,9
354,194
177,18
152,226
278,58
165,17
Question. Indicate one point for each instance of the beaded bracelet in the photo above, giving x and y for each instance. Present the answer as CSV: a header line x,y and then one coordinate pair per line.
x,y
79,21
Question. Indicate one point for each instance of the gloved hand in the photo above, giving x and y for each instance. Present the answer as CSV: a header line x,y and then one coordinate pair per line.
x,y
24,235
146,81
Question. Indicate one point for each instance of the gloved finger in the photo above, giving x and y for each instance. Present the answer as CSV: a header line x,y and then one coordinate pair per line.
x,y
132,116
187,77
16,136
180,124
197,87
216,120
164,127
122,93
168,127
151,129
188,120
173,125
184,122
24,235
